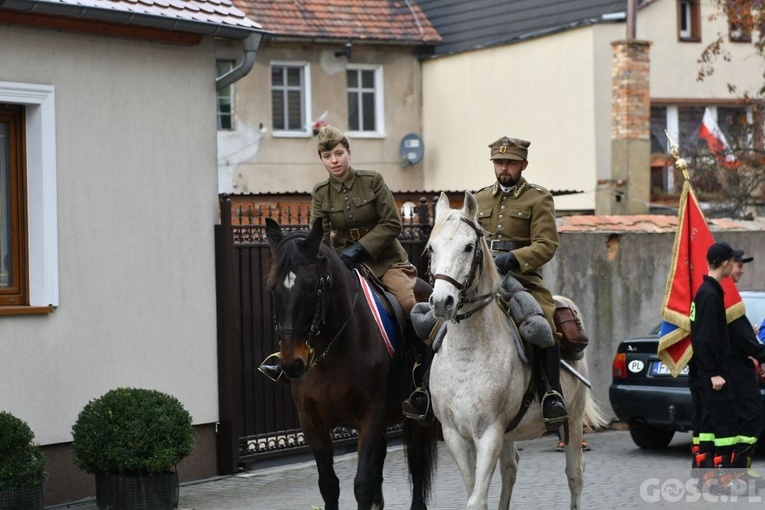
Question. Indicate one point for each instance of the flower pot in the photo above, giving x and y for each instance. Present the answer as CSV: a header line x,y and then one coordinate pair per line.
x,y
22,499
139,492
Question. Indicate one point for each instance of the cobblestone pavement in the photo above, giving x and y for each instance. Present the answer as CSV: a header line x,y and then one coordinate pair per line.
x,y
618,475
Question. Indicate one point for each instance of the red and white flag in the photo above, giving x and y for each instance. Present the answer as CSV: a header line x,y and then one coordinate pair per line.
x,y
716,141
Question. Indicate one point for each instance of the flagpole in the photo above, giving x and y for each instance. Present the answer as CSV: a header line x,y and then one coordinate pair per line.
x,y
680,163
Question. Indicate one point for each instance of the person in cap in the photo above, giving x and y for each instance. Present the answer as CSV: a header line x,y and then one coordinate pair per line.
x,y
717,425
519,218
745,347
361,222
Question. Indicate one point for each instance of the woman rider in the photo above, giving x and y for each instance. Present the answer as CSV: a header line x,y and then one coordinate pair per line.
x,y
361,222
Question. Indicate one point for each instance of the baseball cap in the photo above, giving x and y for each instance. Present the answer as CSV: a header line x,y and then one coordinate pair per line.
x,y
739,256
720,252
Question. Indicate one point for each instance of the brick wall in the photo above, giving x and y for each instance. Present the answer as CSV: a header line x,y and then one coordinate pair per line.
x,y
630,90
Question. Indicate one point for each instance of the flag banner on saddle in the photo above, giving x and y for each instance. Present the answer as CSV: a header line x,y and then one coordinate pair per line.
x,y
689,265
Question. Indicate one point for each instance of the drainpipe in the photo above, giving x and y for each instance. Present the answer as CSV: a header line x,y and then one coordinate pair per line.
x,y
250,46
631,24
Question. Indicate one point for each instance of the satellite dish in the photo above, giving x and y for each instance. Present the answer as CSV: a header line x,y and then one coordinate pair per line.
x,y
411,149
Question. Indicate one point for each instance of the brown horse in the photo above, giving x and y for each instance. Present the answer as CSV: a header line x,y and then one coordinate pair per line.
x,y
342,373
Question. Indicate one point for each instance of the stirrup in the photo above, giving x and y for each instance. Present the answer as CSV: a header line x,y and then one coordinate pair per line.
x,y
552,423
273,372
408,410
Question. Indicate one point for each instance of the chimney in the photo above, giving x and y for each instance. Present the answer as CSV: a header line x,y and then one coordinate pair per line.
x,y
628,188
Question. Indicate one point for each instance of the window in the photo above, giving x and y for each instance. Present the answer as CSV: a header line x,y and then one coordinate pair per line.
x,y
28,159
13,281
290,98
365,100
225,97
740,21
689,20
683,123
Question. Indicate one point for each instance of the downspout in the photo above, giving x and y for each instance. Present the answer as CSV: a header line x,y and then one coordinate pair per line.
x,y
250,47
631,20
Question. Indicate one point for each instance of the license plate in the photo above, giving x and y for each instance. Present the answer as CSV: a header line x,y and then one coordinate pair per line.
x,y
660,368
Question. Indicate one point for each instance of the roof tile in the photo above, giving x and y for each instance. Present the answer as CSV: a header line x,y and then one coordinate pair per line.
x,y
381,20
647,223
221,12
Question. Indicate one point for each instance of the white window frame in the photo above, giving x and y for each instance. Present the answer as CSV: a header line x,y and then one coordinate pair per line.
x,y
379,131
229,89
42,215
306,131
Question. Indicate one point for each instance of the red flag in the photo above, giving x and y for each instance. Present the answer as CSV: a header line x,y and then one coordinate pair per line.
x,y
689,265
716,141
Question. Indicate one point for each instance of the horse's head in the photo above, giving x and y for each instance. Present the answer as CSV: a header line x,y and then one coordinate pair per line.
x,y
459,257
299,282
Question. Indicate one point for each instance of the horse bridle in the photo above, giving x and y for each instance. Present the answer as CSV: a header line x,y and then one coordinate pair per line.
x,y
314,328
476,268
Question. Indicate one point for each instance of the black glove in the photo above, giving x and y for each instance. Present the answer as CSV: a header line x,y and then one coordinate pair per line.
x,y
506,261
352,254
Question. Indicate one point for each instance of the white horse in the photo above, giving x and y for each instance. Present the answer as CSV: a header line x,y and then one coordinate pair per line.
x,y
478,381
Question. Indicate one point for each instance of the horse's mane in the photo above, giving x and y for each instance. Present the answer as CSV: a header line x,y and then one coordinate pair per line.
x,y
452,217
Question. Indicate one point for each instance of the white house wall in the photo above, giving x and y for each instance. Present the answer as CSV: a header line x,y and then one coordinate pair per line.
x,y
136,169
544,90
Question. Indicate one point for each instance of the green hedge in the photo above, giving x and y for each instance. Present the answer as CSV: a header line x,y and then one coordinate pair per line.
x,y
132,431
22,463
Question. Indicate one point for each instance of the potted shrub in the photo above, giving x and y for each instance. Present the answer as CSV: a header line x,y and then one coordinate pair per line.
x,y
132,439
22,466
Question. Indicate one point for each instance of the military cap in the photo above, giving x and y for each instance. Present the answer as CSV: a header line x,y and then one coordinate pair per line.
x,y
329,136
509,148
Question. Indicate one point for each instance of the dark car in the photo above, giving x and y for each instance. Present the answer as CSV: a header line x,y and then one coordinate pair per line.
x,y
644,394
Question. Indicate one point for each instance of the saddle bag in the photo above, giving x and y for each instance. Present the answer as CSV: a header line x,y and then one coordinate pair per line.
x,y
570,326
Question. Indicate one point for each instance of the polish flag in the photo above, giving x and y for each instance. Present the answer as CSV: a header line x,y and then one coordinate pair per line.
x,y
716,141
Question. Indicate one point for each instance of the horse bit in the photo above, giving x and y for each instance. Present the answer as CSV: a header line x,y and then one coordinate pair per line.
x,y
476,267
314,328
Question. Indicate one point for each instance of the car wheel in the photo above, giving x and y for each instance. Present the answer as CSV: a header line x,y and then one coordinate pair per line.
x,y
651,438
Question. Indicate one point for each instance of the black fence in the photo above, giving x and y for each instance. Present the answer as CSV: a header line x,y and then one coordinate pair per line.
x,y
258,419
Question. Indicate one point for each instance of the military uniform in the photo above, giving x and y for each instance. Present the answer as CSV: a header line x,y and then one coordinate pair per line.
x,y
361,209
522,220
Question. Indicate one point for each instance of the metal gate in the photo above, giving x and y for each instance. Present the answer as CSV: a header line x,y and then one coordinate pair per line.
x,y
257,418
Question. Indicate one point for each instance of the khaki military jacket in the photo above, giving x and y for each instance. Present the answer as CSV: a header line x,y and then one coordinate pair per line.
x,y
361,201
526,217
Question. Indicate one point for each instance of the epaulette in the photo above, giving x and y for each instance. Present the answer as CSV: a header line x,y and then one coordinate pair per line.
x,y
538,188
319,185
485,189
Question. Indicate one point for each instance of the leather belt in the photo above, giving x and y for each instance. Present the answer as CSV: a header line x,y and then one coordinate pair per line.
x,y
505,245
353,234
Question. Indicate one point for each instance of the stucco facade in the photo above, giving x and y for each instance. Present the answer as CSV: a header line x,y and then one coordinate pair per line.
x,y
255,159
135,165
555,90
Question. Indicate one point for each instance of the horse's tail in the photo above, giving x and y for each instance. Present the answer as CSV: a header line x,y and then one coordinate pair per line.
x,y
421,456
594,417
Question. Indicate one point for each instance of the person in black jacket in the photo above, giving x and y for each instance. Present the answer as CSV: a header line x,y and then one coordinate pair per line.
x,y
747,358
718,425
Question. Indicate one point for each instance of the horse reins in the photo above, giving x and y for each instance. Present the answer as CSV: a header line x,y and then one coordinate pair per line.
x,y
314,328
476,267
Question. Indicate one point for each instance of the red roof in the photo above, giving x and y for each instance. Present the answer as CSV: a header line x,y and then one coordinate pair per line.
x,y
373,20
651,223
